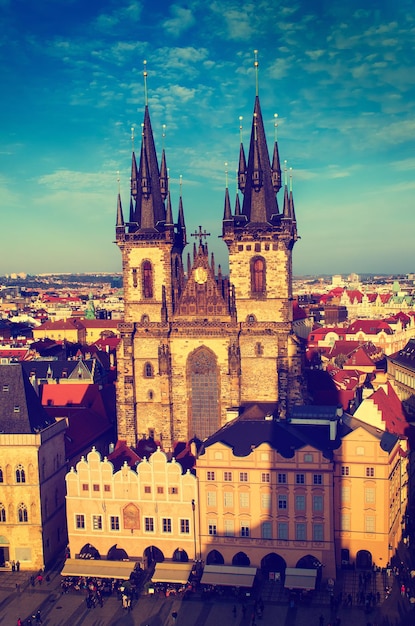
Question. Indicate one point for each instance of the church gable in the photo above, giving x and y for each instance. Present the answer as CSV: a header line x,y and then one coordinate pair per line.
x,y
203,295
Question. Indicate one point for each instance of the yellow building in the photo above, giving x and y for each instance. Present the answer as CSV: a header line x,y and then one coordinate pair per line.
x,y
32,476
148,512
266,492
370,487
70,330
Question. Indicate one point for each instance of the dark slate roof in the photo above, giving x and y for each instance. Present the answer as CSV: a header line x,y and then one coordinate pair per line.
x,y
406,356
21,411
252,428
59,368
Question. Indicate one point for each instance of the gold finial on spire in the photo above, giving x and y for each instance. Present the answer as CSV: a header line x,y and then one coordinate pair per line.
x,y
118,181
256,64
180,183
145,82
226,174
240,127
285,172
142,129
132,137
291,178
275,127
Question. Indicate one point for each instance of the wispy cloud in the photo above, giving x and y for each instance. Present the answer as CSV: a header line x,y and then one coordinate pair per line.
x,y
182,19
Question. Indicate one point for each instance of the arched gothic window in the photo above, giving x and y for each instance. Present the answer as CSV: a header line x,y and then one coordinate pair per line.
x,y
258,275
22,513
1,475
148,370
203,384
147,276
20,474
3,516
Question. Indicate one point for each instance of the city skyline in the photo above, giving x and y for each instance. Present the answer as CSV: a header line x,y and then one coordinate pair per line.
x,y
339,78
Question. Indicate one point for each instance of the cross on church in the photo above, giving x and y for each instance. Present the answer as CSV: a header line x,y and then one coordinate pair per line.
x,y
200,234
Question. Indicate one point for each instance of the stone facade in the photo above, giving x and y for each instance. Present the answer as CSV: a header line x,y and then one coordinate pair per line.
x,y
195,343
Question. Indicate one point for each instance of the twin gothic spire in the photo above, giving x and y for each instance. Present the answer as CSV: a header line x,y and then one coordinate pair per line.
x,y
259,180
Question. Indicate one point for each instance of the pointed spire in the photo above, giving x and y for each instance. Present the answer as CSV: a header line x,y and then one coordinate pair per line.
x,y
145,177
180,219
169,212
164,177
237,206
260,203
256,65
134,173
189,264
149,202
276,166
242,162
212,263
131,219
291,199
120,217
286,205
145,82
257,175
227,213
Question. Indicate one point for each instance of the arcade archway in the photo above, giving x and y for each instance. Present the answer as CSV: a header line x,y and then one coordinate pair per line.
x,y
88,551
215,558
309,561
241,560
363,560
273,566
180,556
152,554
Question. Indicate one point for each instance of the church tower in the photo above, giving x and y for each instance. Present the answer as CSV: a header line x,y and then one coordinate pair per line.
x,y
260,239
196,345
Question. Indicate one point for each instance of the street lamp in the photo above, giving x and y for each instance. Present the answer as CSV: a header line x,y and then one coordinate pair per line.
x,y
194,525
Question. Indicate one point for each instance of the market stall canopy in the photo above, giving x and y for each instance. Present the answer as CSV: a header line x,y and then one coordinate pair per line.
x,y
228,576
98,568
300,578
172,572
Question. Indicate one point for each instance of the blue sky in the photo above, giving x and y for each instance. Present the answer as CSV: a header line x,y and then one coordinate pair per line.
x,y
340,75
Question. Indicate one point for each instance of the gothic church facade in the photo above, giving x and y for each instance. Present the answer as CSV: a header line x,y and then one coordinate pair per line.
x,y
197,346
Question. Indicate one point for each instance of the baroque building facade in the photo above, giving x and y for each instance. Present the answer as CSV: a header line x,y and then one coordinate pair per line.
x,y
194,343
32,476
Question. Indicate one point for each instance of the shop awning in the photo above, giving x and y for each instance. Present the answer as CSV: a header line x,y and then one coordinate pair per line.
x,y
228,576
172,572
98,568
300,578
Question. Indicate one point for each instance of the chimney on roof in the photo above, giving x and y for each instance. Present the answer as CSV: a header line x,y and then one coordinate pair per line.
x,y
334,421
232,413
